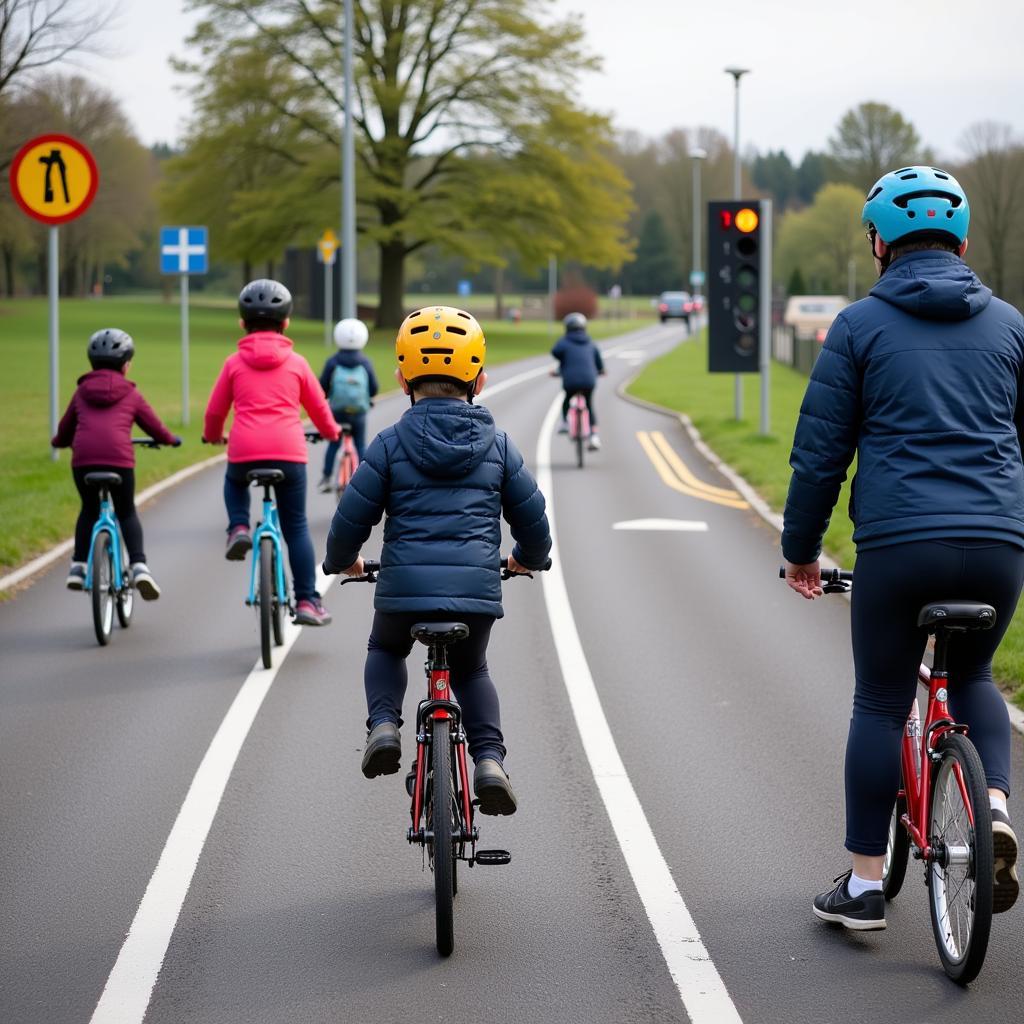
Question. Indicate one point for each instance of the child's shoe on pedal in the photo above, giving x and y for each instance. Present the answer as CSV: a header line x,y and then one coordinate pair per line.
x,y
863,913
383,753
239,544
76,576
563,426
594,444
310,611
492,787
326,485
143,582
1004,847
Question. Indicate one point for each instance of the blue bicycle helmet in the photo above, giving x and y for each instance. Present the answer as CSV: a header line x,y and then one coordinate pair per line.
x,y
917,201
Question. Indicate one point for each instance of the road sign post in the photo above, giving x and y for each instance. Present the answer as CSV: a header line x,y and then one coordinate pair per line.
x,y
327,249
184,251
54,180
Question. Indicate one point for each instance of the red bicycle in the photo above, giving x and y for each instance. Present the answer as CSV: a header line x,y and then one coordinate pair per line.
x,y
442,807
578,417
348,460
942,812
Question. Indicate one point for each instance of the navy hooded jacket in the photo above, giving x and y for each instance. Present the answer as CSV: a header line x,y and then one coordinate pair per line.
x,y
922,381
580,359
444,475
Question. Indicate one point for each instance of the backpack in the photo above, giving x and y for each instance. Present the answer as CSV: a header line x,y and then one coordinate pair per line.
x,y
350,390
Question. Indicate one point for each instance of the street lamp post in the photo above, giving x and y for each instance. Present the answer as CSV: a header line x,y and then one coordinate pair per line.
x,y
737,74
696,156
348,183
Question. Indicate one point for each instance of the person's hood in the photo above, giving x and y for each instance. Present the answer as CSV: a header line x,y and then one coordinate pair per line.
x,y
578,337
446,437
934,286
103,388
348,357
265,350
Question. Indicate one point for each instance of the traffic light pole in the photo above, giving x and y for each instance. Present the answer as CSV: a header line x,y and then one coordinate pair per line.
x,y
765,311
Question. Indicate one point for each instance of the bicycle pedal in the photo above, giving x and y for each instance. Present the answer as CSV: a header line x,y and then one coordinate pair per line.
x,y
493,857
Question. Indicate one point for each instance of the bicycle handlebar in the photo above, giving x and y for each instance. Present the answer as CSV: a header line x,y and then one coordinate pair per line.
x,y
372,568
146,442
835,581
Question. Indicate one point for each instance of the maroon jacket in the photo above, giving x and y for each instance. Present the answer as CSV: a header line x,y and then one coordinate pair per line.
x,y
98,423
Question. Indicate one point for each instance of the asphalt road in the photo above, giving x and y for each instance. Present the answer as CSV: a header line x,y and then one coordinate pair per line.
x,y
727,696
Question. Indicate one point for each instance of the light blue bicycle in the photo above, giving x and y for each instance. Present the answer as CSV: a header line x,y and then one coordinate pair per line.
x,y
268,588
108,576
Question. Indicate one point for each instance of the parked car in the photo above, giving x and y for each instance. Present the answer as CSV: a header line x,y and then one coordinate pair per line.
x,y
677,305
810,316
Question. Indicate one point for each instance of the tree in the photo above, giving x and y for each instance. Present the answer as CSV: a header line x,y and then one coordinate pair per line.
x,y
810,176
796,285
447,94
655,268
992,178
774,173
871,139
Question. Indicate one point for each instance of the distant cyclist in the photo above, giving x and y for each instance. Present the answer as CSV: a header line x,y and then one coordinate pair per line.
x,y
98,428
268,383
350,385
922,381
580,365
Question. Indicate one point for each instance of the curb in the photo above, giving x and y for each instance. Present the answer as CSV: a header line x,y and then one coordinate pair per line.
x,y
46,559
755,500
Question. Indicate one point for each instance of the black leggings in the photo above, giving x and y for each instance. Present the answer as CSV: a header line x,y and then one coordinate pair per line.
x,y
588,395
124,508
386,678
890,587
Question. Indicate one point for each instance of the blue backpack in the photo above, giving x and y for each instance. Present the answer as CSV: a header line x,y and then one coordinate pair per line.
x,y
350,390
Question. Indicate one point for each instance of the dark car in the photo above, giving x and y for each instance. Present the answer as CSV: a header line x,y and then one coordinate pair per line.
x,y
677,305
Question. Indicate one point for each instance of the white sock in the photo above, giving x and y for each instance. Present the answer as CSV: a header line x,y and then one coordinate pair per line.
x,y
997,803
857,886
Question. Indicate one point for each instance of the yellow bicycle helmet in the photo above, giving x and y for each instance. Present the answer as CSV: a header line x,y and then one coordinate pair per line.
x,y
440,343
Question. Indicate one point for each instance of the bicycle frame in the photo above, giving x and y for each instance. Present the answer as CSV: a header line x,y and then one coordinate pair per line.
x,y
348,451
268,527
579,418
107,521
918,756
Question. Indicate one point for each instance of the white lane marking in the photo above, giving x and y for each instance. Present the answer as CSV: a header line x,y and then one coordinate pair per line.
x,y
697,980
129,988
680,525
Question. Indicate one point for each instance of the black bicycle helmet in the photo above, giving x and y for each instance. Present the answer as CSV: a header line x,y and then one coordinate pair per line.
x,y
110,349
265,300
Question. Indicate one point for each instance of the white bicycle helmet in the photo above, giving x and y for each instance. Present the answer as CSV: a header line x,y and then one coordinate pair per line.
x,y
350,334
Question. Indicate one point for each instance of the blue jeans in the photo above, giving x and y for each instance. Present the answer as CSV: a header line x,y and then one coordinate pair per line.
x,y
357,421
290,495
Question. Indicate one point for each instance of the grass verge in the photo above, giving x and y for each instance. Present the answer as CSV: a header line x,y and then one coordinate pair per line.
x,y
680,380
38,501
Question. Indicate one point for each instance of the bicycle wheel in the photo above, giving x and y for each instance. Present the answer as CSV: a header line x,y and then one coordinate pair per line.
x,y
344,473
277,618
961,875
580,443
897,852
442,849
265,597
102,588
125,596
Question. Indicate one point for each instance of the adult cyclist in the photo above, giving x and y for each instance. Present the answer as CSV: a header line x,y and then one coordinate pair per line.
x,y
922,380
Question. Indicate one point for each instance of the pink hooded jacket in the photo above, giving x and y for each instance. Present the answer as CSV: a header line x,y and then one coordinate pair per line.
x,y
267,382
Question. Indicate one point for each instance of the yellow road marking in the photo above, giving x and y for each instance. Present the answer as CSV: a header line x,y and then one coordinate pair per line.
x,y
684,473
672,480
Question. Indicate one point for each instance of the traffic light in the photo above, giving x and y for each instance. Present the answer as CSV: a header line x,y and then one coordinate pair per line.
x,y
736,269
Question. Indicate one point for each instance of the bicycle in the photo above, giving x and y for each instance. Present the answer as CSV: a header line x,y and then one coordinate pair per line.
x,y
942,813
442,808
108,576
348,460
578,417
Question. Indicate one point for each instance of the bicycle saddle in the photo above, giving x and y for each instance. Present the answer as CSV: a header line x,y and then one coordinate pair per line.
x,y
264,476
956,615
103,479
439,632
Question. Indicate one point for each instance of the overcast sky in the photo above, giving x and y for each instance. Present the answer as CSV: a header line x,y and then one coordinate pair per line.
x,y
943,64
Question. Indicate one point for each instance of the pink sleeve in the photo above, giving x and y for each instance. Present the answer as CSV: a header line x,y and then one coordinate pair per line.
x,y
314,402
218,406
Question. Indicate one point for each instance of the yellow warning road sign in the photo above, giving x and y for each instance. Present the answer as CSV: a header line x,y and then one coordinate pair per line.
x,y
328,246
54,178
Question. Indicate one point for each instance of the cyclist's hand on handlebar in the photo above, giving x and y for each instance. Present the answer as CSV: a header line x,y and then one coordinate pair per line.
x,y
357,568
804,579
219,440
176,443
516,569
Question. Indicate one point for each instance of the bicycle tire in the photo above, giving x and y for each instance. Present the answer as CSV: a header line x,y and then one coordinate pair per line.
x,y
897,852
102,588
442,848
344,473
579,446
961,960
265,598
125,596
277,620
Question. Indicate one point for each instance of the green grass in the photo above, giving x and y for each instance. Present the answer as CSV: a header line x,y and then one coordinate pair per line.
x,y
38,502
680,380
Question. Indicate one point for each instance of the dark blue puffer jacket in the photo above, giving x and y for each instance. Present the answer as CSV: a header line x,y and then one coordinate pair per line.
x,y
580,359
922,381
444,475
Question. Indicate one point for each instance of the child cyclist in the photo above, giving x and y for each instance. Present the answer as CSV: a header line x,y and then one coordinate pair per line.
x,y
444,475
268,383
350,385
98,428
580,364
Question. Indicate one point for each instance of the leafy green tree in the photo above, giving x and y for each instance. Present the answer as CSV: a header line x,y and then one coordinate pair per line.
x,y
774,173
810,176
796,285
871,139
655,268
453,98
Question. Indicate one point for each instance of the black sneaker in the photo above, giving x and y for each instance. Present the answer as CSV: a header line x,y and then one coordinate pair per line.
x,y
864,913
76,576
239,544
383,753
1004,846
492,788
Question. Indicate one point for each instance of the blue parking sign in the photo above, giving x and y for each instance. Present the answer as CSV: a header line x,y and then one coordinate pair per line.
x,y
183,250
